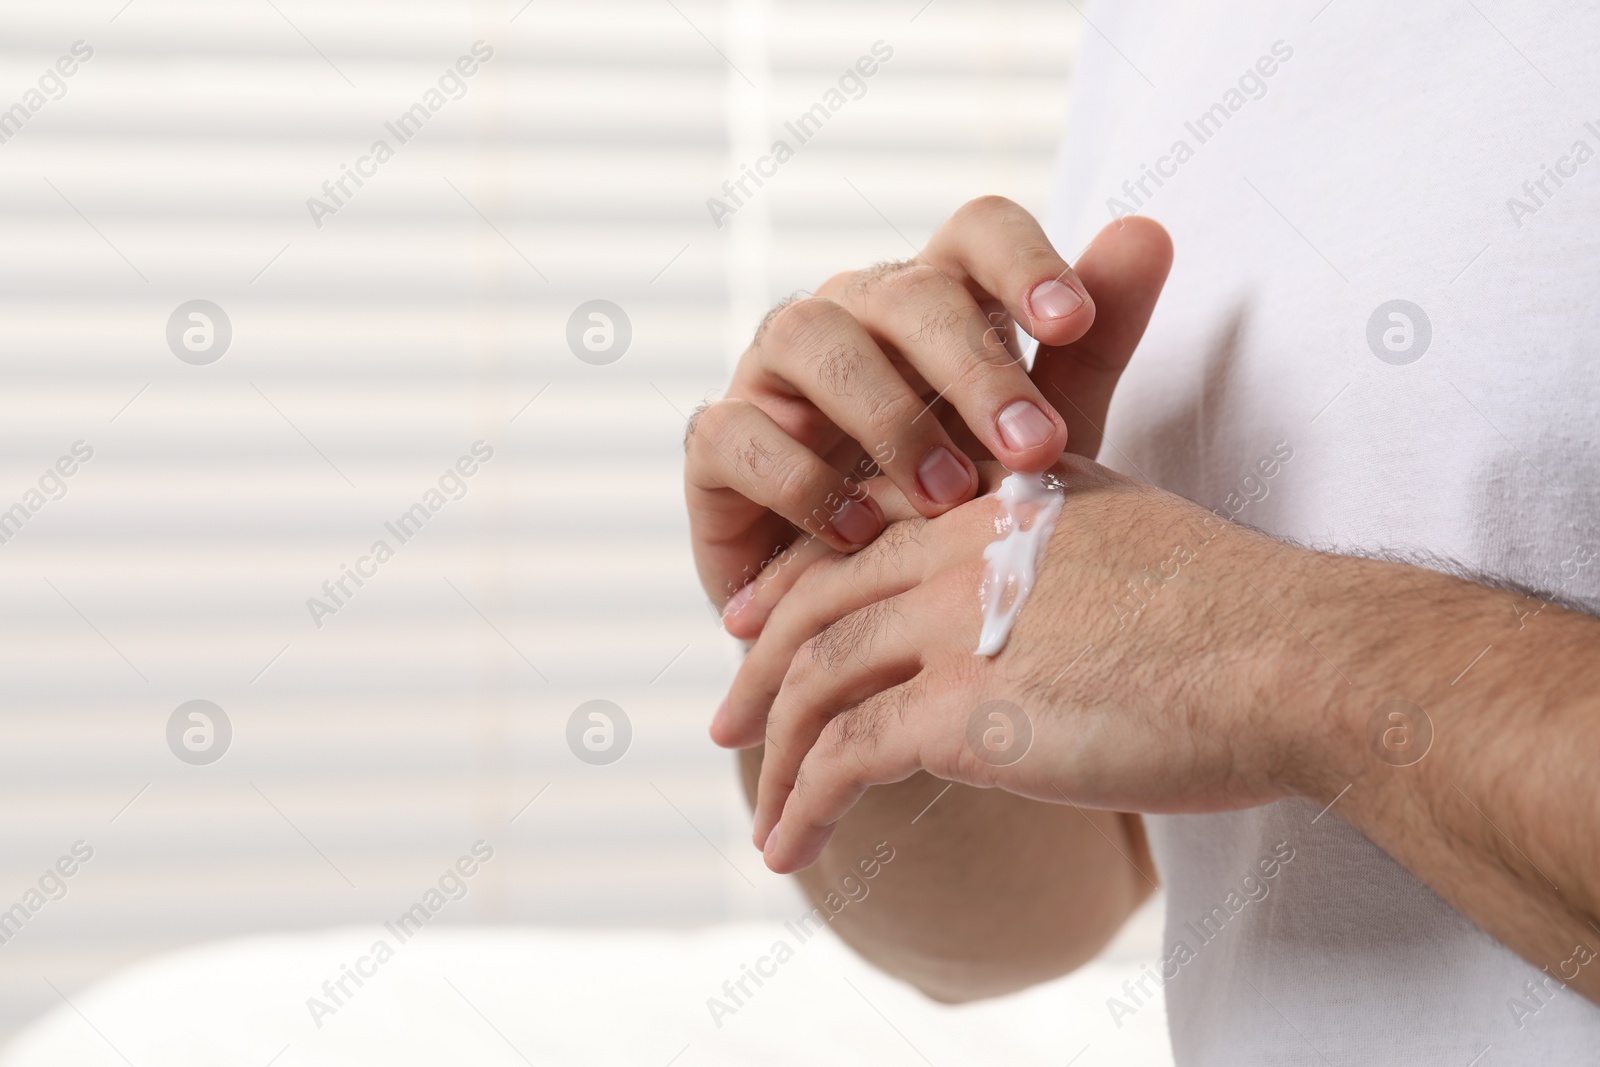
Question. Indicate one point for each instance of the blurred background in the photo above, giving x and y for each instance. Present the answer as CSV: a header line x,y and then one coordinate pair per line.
x,y
350,355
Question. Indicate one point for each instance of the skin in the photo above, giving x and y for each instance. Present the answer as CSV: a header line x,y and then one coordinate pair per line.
x,y
1022,858
1167,661
883,367
1251,672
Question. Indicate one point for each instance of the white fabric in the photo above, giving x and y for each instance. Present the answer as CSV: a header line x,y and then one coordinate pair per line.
x,y
1376,164
514,996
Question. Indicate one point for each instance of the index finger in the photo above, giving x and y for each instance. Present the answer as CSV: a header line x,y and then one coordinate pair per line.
x,y
939,330
746,613
997,247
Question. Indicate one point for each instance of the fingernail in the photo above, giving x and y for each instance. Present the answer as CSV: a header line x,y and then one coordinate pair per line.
x,y
718,716
1054,300
855,522
768,844
738,602
1024,426
943,477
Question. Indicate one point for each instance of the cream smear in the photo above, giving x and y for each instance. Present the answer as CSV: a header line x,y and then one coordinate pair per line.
x,y
1029,505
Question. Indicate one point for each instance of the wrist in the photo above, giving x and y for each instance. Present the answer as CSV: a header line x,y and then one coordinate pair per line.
x,y
1370,645
1300,689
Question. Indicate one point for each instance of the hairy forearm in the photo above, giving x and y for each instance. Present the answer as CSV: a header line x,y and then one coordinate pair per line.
x,y
1500,815
988,892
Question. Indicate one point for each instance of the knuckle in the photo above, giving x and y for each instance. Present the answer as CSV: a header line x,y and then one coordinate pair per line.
x,y
939,323
839,283
855,634
1039,259
969,371
771,316
838,366
880,273
975,364
986,341
890,412
987,208
710,424
822,651
757,457
891,547
855,727
803,323
693,425
916,279
795,487
990,350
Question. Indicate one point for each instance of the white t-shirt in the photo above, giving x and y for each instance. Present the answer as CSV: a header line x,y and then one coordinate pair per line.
x,y
1317,161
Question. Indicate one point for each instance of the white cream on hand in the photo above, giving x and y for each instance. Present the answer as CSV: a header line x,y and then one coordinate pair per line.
x,y
1029,505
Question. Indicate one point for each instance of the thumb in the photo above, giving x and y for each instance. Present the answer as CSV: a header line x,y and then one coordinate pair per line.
x,y
1124,270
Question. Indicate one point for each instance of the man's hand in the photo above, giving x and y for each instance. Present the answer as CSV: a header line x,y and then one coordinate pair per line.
x,y
1000,847
868,666
842,385
1169,661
